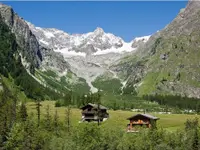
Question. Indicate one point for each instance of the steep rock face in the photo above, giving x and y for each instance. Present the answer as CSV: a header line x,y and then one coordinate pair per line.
x,y
27,41
28,56
53,61
31,51
169,61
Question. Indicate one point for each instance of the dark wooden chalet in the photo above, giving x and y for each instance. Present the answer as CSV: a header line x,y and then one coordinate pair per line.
x,y
90,113
141,120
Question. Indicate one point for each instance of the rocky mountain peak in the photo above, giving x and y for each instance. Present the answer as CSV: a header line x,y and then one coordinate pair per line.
x,y
99,31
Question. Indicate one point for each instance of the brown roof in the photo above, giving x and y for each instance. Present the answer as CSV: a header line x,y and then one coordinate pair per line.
x,y
94,106
144,115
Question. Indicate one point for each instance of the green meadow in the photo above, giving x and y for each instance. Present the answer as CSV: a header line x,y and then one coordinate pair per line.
x,y
170,122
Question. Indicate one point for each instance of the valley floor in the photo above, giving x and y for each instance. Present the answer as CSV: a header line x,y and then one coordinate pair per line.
x,y
171,122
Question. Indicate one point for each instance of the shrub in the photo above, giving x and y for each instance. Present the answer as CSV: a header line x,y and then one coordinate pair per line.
x,y
58,103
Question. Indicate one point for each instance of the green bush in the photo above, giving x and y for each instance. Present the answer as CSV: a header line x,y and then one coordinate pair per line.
x,y
58,103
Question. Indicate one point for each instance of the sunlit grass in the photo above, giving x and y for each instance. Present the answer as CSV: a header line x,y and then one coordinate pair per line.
x,y
117,118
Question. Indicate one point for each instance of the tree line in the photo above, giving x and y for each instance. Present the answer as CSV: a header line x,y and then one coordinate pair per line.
x,y
78,101
178,101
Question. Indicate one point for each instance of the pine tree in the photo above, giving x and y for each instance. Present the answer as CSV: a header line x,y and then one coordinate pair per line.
x,y
153,125
198,107
47,119
67,118
78,101
56,121
14,106
68,99
114,105
98,107
195,142
7,115
23,112
124,104
38,105
83,97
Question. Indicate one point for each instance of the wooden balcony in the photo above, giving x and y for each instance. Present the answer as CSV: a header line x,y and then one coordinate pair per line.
x,y
135,127
140,122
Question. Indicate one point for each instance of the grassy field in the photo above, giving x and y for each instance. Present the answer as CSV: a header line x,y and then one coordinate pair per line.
x,y
117,118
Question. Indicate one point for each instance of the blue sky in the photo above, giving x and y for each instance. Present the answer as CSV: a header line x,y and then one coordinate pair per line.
x,y
124,19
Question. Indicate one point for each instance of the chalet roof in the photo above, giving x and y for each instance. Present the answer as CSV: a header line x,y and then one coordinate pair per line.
x,y
144,115
94,106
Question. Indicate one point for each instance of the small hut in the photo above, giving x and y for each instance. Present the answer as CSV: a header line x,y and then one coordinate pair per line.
x,y
94,112
141,120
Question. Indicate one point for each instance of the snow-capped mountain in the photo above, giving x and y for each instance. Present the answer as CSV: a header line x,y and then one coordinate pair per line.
x,y
89,54
93,43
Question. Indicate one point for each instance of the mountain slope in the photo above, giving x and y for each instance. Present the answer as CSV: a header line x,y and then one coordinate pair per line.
x,y
37,59
11,67
24,37
169,62
89,55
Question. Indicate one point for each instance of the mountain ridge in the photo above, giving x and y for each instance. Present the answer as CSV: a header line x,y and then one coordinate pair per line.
x,y
75,40
90,54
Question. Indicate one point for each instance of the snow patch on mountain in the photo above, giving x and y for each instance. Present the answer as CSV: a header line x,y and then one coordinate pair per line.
x,y
66,53
143,38
49,34
127,47
123,86
114,74
44,42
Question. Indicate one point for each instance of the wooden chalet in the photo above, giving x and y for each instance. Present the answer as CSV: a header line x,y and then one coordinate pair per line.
x,y
90,113
141,120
